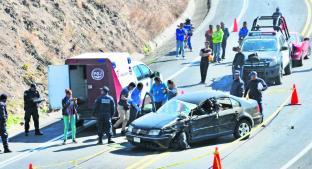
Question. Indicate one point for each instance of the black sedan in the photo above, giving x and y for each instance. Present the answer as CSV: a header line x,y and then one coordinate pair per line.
x,y
194,117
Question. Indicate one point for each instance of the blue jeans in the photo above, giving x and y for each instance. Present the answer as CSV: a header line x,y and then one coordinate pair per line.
x,y
180,47
216,51
189,44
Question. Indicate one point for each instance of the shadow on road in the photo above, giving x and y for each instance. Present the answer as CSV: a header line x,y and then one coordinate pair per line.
x,y
75,148
51,131
188,86
223,83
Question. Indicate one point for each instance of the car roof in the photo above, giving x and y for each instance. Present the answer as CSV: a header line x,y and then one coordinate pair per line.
x,y
200,96
101,55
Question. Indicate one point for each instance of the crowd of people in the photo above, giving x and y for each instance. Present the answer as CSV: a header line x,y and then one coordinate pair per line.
x,y
129,106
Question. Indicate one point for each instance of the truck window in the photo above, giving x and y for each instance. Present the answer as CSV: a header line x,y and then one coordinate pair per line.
x,y
145,71
137,73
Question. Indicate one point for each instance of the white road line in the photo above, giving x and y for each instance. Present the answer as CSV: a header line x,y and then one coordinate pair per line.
x,y
241,14
39,147
297,157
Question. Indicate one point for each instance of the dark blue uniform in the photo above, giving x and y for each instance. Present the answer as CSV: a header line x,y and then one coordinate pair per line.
x,y
254,93
31,109
104,110
3,120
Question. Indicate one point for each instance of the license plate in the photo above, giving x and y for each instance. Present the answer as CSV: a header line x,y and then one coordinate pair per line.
x,y
137,140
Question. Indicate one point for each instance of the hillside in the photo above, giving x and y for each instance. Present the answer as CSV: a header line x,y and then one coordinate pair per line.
x,y
36,33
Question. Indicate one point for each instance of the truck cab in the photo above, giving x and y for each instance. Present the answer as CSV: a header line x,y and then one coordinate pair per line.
x,y
85,74
267,50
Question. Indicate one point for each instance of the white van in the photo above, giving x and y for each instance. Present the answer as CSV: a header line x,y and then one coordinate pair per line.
x,y
85,74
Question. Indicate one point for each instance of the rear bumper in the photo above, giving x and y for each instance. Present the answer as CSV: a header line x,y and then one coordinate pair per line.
x,y
155,142
258,119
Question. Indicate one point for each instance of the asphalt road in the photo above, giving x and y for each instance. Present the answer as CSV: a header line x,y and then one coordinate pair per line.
x,y
274,146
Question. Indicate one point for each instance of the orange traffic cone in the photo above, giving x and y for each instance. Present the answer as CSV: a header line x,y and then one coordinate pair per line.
x,y
30,166
294,96
216,160
235,27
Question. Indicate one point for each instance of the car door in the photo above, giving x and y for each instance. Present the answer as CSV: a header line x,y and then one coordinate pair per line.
x,y
58,81
203,123
146,80
227,115
148,104
285,53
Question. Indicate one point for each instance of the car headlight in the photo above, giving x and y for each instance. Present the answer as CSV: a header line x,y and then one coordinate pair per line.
x,y
154,132
272,62
130,128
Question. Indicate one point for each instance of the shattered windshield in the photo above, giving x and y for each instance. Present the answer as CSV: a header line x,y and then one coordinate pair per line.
x,y
177,107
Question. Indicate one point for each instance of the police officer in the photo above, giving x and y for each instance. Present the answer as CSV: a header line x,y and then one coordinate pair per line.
x,y
237,88
31,97
254,88
104,109
3,120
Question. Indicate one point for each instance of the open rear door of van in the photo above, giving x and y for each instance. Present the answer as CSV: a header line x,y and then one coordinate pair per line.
x,y
58,81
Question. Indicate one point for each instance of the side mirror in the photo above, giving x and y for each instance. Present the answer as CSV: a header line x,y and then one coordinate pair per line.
x,y
284,48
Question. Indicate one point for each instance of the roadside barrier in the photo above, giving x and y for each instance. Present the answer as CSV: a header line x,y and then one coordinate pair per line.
x,y
77,162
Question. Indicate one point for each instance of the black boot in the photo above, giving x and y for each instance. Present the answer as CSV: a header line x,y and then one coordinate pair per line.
x,y
38,133
7,150
110,141
100,142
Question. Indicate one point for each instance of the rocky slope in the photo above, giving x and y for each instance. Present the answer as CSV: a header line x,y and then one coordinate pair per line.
x,y
35,33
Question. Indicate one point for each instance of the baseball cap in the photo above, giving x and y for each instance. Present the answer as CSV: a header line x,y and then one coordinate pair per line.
x,y
105,88
253,73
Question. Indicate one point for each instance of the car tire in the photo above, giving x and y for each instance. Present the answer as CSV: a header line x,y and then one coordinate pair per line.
x,y
181,141
278,79
243,127
288,69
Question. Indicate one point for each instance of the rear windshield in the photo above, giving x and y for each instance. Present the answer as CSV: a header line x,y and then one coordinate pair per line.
x,y
252,45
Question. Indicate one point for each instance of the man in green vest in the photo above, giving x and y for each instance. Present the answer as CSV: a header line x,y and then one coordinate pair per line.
x,y
217,38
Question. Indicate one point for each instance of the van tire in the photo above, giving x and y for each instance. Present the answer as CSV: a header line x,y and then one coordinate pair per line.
x,y
288,69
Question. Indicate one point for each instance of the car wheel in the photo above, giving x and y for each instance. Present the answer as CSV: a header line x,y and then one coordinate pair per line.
x,y
278,79
242,128
181,142
288,69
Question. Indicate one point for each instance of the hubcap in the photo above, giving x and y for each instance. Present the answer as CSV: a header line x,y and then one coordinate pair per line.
x,y
243,129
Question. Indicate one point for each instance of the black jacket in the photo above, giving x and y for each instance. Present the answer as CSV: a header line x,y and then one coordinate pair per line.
x,y
29,104
3,113
65,105
252,89
237,88
104,107
239,59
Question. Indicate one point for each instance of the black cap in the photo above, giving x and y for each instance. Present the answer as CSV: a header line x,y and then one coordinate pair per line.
x,y
33,85
253,73
3,97
105,89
